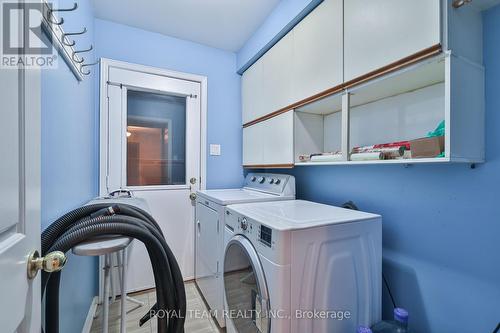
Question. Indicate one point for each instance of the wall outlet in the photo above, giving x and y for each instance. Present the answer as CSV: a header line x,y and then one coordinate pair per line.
x,y
214,150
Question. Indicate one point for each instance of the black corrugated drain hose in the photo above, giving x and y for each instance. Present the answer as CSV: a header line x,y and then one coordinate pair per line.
x,y
90,221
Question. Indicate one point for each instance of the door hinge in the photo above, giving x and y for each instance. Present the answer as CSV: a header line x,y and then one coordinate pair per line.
x,y
217,226
217,273
192,96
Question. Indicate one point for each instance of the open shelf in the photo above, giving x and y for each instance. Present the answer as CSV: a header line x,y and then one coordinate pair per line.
x,y
326,105
424,74
401,106
400,161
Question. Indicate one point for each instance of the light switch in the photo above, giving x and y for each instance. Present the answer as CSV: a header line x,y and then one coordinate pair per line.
x,y
214,150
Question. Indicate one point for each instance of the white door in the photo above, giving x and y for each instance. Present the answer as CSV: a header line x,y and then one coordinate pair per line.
x,y
151,145
19,196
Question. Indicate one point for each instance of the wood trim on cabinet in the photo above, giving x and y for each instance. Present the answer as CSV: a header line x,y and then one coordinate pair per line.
x,y
397,65
268,166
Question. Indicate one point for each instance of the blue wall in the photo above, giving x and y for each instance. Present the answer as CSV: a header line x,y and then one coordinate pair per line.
x,y
121,42
69,162
440,222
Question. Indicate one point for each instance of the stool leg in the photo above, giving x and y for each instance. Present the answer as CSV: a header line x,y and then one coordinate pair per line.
x,y
112,277
105,306
124,291
100,300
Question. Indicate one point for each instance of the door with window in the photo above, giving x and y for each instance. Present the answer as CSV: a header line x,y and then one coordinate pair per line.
x,y
151,146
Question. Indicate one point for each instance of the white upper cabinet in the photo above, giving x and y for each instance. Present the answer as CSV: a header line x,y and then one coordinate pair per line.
x,y
251,93
378,33
317,51
253,144
269,142
278,139
277,78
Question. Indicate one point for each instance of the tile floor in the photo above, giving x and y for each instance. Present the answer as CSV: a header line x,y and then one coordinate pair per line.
x,y
192,325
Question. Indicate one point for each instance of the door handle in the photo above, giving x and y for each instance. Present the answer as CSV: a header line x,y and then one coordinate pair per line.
x,y
52,262
192,196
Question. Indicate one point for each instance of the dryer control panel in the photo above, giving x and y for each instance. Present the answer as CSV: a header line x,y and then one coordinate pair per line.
x,y
278,184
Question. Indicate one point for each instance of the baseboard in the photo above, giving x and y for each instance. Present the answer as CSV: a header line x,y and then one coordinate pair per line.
x,y
90,315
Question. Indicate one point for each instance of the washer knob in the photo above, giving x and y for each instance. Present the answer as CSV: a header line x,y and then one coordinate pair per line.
x,y
253,178
244,223
271,181
261,179
277,181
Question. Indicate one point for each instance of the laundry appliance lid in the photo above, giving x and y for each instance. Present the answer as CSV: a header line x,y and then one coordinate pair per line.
x,y
298,214
238,195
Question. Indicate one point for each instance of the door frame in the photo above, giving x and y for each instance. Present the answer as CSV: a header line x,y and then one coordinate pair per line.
x,y
105,65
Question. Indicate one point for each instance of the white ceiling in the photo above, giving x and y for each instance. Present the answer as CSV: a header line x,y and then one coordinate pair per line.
x,y
224,24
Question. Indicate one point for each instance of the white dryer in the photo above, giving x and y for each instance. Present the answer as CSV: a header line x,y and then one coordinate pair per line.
x,y
298,266
210,204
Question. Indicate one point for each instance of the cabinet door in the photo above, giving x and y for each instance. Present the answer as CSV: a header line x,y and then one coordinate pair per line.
x,y
278,139
277,77
251,92
253,145
318,51
381,32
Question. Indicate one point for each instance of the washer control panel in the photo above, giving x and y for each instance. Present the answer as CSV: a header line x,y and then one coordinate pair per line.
x,y
253,230
269,242
278,184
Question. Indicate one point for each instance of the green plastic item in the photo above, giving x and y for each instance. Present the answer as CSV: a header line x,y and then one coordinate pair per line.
x,y
439,131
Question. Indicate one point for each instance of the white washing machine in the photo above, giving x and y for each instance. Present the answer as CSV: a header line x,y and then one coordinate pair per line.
x,y
298,266
258,187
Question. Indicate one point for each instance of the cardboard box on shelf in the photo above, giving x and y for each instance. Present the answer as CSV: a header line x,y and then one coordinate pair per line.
x,y
427,147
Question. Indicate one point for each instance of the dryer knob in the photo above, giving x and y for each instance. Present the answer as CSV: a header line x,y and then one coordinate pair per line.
x,y
262,180
253,178
277,181
271,181
244,223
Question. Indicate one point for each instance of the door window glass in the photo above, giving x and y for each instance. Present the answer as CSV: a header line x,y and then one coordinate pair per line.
x,y
156,139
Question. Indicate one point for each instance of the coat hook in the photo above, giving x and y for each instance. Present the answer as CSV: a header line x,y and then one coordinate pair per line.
x,y
61,21
80,51
77,59
65,41
86,65
92,64
75,6
66,34
75,33
460,3
51,20
85,50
